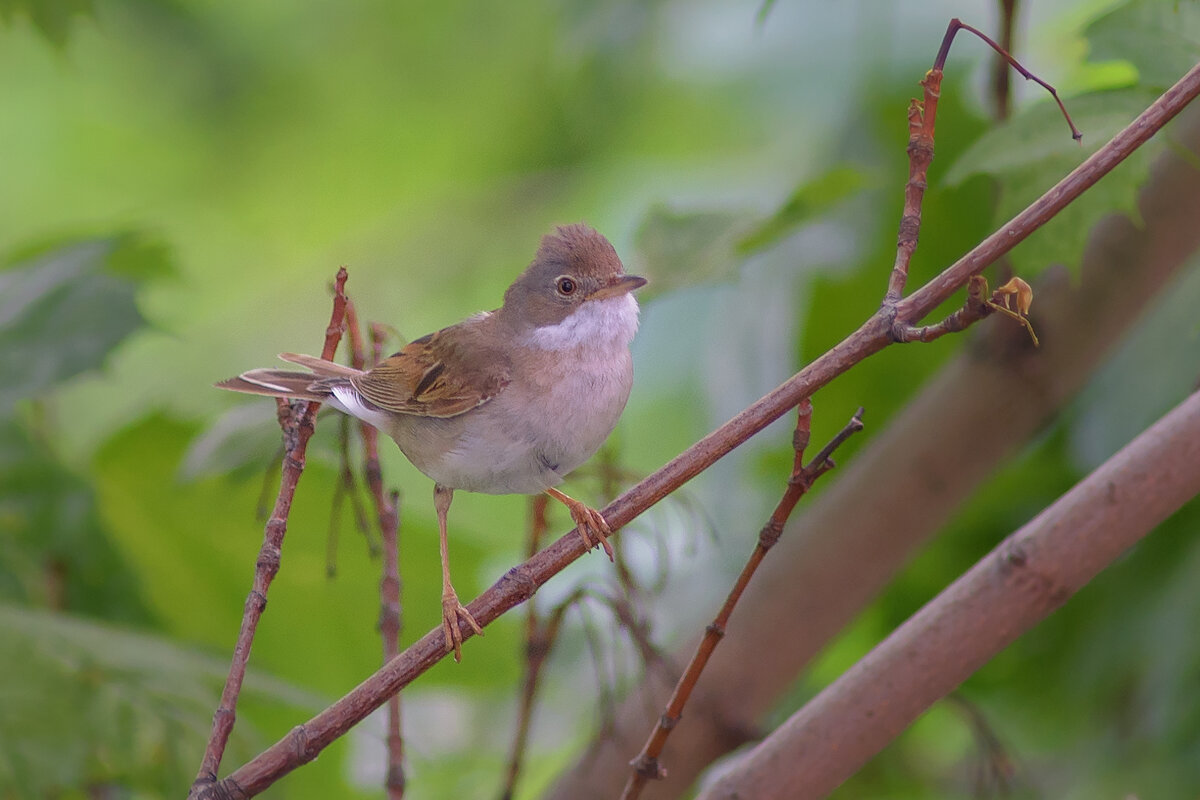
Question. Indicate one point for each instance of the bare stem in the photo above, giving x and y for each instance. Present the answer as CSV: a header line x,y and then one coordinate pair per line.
x,y
537,646
646,765
297,423
387,512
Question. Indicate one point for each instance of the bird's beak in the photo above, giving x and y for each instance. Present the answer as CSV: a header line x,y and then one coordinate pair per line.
x,y
618,286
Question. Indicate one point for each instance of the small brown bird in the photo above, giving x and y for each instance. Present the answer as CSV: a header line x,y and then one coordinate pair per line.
x,y
505,402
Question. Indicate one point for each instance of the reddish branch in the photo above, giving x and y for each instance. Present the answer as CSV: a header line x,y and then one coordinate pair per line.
x,y
646,766
1021,582
538,637
297,424
387,512
994,394
306,741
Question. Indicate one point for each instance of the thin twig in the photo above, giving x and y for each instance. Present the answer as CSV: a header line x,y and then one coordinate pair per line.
x,y
387,512
1029,575
921,117
956,25
1001,83
537,646
297,423
517,585
390,623
646,765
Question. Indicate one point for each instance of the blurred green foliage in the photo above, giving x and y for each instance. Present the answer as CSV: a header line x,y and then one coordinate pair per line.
x,y
181,181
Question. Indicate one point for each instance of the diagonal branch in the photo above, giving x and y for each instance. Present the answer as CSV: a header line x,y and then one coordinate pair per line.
x,y
1021,582
995,394
305,742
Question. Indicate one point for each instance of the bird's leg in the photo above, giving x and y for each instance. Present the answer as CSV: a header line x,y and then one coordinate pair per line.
x,y
588,521
452,609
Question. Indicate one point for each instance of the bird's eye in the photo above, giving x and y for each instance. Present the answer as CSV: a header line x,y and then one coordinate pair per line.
x,y
565,285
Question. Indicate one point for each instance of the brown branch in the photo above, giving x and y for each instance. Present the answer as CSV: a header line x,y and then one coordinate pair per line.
x,y
977,306
1001,84
387,512
306,741
297,424
956,25
995,394
921,117
390,624
538,639
646,765
1028,576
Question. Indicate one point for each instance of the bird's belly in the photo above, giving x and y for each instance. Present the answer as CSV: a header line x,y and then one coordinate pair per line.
x,y
526,439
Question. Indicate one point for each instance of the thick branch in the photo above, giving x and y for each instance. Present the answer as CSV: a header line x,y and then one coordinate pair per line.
x,y
1028,576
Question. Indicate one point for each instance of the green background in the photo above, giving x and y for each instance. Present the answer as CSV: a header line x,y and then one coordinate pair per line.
x,y
179,182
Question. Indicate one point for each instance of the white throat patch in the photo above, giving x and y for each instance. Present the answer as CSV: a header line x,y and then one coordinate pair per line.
x,y
611,321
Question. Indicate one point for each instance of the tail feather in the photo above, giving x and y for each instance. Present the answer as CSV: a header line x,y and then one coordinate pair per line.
x,y
313,385
278,383
322,368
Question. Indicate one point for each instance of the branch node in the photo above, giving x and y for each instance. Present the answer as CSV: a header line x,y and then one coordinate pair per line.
x,y
715,629
525,586
648,768
770,533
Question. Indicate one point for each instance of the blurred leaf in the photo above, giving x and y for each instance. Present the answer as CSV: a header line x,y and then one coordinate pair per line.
x,y
56,551
52,18
242,439
686,248
1031,152
1160,38
63,311
87,704
808,201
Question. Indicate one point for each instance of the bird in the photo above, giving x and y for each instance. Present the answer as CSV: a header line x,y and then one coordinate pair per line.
x,y
507,401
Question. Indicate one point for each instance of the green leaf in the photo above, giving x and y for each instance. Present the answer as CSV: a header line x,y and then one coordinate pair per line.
x,y
86,703
809,200
1031,152
1161,39
691,247
56,551
63,311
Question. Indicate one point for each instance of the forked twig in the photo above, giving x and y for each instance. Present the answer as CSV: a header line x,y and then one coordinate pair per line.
x,y
646,766
297,423
922,115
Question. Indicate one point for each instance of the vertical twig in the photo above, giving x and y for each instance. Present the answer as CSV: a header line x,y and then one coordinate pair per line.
x,y
537,646
387,508
297,424
646,766
921,117
1001,83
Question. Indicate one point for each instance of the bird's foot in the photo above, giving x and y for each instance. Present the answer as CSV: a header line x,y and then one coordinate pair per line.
x,y
591,526
452,612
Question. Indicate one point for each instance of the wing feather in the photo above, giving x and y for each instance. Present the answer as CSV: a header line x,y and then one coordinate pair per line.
x,y
441,375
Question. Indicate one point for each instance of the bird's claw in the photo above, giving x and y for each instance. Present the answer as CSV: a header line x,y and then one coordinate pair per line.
x,y
592,527
452,612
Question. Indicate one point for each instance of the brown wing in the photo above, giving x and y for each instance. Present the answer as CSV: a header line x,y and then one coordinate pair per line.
x,y
440,375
